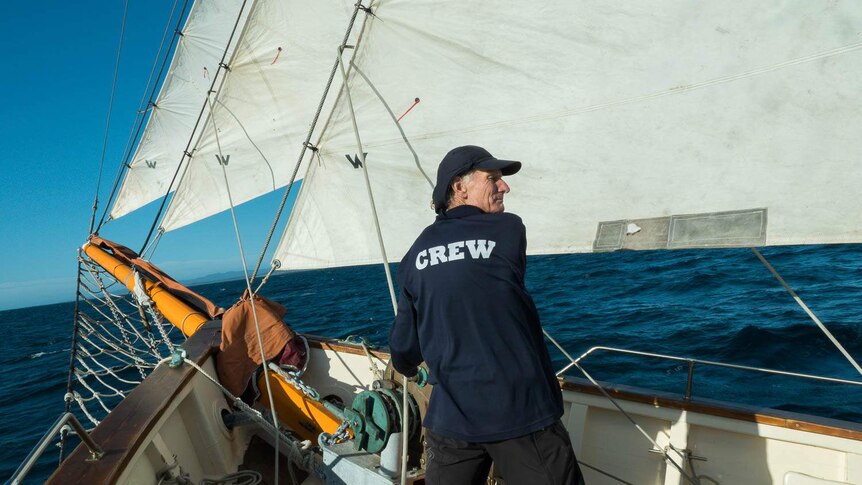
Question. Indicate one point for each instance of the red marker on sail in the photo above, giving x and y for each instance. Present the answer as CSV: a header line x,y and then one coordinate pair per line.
x,y
415,102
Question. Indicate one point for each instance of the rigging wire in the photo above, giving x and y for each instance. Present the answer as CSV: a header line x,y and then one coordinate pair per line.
x,y
223,163
405,415
808,311
108,120
151,249
307,143
599,470
368,183
72,352
186,154
145,103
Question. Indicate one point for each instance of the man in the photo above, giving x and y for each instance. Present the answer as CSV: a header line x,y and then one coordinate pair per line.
x,y
465,311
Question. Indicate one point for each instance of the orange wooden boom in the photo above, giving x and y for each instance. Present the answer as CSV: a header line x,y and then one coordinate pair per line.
x,y
307,417
179,313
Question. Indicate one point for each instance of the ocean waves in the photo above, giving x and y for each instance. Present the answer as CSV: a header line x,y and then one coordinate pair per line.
x,y
717,305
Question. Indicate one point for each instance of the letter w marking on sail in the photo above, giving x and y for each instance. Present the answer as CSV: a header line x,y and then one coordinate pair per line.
x,y
150,163
222,160
356,161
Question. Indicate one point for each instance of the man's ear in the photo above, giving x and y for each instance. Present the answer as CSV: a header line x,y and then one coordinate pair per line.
x,y
458,186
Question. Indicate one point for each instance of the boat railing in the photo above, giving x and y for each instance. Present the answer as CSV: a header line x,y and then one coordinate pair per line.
x,y
95,451
693,362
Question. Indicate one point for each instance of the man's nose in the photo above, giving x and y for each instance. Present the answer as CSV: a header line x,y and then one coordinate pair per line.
x,y
502,186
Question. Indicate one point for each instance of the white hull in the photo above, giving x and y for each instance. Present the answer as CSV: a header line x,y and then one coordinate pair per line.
x,y
740,445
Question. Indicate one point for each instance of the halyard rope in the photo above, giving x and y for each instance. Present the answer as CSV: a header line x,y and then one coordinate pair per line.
x,y
405,418
404,408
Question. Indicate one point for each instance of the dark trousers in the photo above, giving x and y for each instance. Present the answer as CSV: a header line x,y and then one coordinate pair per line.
x,y
544,457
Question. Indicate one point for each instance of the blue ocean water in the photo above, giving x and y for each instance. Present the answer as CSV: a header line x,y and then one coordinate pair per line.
x,y
719,305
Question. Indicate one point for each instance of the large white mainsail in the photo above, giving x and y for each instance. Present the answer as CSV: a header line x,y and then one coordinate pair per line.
x,y
261,115
178,105
684,124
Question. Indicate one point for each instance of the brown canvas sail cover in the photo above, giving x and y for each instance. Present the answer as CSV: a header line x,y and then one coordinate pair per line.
x,y
240,352
159,277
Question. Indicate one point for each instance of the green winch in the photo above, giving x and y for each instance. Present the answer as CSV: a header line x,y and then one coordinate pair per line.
x,y
376,414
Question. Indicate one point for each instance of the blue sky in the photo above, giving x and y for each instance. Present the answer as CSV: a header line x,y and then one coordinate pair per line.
x,y
56,84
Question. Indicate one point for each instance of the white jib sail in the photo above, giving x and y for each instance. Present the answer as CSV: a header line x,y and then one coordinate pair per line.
x,y
262,113
672,124
169,127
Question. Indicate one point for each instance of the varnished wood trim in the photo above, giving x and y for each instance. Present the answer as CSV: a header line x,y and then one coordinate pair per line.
x,y
125,429
783,419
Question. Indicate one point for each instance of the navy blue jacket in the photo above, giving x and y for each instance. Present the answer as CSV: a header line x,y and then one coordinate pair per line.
x,y
464,310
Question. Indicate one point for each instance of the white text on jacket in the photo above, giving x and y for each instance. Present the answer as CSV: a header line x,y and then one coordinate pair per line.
x,y
453,252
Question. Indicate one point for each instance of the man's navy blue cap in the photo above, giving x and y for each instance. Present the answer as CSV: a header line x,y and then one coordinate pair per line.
x,y
460,161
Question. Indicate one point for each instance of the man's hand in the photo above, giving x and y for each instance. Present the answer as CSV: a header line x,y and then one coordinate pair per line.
x,y
420,378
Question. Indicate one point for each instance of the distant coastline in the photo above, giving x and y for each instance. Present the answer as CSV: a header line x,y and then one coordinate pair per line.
x,y
9,303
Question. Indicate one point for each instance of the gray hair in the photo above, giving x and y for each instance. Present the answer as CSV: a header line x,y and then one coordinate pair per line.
x,y
464,177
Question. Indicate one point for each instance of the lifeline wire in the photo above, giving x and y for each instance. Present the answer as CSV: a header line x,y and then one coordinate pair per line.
x,y
70,378
613,401
248,286
693,480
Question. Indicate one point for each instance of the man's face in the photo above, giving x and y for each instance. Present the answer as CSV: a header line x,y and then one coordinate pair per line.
x,y
485,190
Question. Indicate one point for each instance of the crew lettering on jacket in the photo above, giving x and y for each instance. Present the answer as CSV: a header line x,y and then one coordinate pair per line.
x,y
454,251
479,295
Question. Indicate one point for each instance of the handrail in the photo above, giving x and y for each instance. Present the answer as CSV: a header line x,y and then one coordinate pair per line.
x,y
691,363
95,451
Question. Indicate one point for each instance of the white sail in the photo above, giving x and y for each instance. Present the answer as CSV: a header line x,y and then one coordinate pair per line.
x,y
678,124
261,116
169,127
